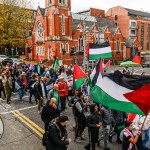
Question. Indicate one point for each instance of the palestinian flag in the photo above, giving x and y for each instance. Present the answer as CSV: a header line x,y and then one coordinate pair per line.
x,y
107,65
95,51
49,85
38,64
79,76
56,63
136,59
93,76
127,93
17,87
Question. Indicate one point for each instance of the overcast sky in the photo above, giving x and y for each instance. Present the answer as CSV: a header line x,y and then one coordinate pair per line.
x,y
78,5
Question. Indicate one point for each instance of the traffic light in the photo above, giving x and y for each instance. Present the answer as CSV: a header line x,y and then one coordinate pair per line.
x,y
73,51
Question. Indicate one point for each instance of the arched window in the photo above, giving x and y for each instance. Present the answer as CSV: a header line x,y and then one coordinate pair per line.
x,y
118,46
50,2
80,43
63,24
107,40
61,47
39,31
51,25
67,47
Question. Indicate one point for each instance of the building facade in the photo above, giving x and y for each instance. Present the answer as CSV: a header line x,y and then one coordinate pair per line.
x,y
56,28
134,25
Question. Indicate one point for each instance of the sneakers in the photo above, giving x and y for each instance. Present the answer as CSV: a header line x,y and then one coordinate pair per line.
x,y
77,140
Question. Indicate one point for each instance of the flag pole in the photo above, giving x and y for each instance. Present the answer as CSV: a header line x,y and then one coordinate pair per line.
x,y
143,122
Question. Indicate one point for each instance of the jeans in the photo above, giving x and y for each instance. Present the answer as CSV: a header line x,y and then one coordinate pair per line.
x,y
107,132
30,97
41,103
80,125
21,93
146,138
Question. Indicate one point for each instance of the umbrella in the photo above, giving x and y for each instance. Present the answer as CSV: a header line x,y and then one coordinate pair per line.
x,y
129,64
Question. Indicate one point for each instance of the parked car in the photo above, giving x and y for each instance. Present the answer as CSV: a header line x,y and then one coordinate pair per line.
x,y
140,71
17,61
11,61
7,60
146,64
2,57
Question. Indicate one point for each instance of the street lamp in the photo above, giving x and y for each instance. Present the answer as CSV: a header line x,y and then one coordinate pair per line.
x,y
85,31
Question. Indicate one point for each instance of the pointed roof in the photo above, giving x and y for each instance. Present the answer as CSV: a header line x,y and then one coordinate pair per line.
x,y
42,11
101,23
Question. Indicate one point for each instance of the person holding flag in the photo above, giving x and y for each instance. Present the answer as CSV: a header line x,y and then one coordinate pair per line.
x,y
38,64
56,62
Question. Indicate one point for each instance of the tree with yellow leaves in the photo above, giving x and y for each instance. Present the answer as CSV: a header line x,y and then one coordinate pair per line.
x,y
15,19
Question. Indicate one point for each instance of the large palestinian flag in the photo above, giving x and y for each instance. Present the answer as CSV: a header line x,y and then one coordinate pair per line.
x,y
79,76
127,93
95,51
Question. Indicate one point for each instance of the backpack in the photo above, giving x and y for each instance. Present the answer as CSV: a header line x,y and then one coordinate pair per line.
x,y
46,135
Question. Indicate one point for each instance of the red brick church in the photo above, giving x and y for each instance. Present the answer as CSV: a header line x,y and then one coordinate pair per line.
x,y
56,28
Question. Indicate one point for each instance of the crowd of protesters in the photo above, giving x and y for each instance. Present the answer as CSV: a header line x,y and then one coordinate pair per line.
x,y
53,92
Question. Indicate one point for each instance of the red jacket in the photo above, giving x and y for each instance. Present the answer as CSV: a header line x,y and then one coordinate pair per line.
x,y
62,86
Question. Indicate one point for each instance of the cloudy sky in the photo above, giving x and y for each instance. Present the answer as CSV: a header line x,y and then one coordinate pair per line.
x,y
78,5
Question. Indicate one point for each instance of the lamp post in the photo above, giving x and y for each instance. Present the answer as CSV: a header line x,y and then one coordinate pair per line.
x,y
85,31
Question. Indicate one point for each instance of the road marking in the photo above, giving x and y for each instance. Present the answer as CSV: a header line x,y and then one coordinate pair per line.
x,y
12,98
8,112
26,123
31,122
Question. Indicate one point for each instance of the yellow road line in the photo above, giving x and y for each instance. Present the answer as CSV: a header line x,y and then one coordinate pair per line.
x,y
36,131
31,122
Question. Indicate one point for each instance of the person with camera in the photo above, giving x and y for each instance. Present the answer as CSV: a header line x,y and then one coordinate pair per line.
x,y
49,112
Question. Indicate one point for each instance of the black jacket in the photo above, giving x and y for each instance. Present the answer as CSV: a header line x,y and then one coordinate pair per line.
x,y
56,132
92,120
38,89
49,113
32,89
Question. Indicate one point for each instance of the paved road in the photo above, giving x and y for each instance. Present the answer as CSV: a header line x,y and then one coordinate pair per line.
x,y
23,127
